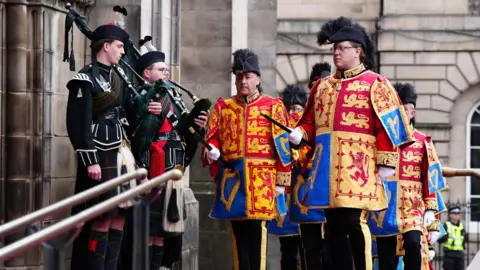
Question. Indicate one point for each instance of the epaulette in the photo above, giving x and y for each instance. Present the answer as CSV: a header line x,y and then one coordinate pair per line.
x,y
83,74
222,102
381,78
82,77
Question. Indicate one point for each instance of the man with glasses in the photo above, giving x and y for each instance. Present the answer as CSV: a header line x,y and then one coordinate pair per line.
x,y
355,121
171,148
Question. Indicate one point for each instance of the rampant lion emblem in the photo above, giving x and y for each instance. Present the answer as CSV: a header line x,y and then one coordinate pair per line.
x,y
359,161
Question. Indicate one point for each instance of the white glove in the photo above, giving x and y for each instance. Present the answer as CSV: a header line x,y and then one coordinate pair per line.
x,y
279,190
295,136
431,254
213,154
433,236
428,218
384,173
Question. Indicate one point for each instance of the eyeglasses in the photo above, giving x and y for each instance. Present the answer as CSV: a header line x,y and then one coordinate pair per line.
x,y
341,48
163,70
295,109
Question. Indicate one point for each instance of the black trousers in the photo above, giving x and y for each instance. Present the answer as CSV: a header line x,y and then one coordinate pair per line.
x,y
350,239
453,262
315,247
172,252
387,251
250,244
290,248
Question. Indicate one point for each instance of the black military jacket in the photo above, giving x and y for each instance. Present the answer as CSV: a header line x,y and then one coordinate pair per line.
x,y
95,113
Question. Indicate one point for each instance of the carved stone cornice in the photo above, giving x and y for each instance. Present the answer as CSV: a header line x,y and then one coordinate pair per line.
x,y
62,3
78,3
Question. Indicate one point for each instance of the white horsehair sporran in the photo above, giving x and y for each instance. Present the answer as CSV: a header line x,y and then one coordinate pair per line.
x,y
126,161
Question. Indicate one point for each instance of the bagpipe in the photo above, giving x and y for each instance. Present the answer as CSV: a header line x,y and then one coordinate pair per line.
x,y
147,126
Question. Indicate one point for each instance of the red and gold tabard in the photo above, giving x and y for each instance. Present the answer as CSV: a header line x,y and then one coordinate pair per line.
x,y
355,121
408,192
413,196
256,153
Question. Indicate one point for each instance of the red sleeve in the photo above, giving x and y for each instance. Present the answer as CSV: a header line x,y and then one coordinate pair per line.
x,y
212,138
307,122
387,155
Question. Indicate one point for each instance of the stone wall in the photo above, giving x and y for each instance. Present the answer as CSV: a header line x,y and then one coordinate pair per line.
x,y
262,40
205,63
314,9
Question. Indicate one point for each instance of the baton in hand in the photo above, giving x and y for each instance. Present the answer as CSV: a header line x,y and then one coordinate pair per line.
x,y
280,125
202,141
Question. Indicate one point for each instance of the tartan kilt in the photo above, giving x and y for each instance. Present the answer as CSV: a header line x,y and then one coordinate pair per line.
x,y
108,163
172,154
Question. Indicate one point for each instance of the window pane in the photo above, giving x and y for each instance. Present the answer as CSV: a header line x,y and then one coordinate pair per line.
x,y
475,209
476,117
475,136
475,186
475,158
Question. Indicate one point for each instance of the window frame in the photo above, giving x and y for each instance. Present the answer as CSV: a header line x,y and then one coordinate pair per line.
x,y
473,226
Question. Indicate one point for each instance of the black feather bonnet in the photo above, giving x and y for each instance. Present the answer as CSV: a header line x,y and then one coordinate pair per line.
x,y
319,71
294,94
245,60
344,29
407,93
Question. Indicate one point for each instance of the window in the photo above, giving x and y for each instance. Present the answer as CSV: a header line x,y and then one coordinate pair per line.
x,y
474,7
473,161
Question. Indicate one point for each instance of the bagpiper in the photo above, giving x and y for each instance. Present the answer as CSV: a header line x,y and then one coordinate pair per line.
x,y
96,119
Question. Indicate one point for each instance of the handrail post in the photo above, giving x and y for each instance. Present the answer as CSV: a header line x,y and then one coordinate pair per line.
x,y
54,249
141,228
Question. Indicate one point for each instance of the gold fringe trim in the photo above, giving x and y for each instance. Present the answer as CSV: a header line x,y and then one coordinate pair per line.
x,y
435,226
284,179
431,204
389,159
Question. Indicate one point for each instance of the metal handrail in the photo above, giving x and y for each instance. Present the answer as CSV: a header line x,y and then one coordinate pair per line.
x,y
67,224
63,205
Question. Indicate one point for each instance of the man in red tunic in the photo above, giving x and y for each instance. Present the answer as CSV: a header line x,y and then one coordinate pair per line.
x,y
255,164
412,205
355,122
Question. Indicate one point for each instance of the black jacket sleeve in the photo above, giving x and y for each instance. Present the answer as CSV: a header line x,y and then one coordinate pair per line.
x,y
79,121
